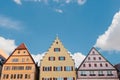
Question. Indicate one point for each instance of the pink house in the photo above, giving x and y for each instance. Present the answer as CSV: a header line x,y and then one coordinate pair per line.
x,y
96,67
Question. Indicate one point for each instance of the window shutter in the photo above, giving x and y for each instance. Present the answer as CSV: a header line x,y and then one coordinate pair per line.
x,y
43,68
72,68
61,68
49,58
54,58
73,78
54,68
50,68
65,68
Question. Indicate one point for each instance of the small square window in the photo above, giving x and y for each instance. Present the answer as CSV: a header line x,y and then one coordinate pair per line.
x,y
106,65
61,58
83,65
95,65
56,42
88,58
24,52
99,58
94,58
100,65
18,52
89,65
56,49
51,58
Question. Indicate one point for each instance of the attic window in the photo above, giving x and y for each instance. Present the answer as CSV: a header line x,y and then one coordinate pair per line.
x,y
18,52
56,42
56,49
93,52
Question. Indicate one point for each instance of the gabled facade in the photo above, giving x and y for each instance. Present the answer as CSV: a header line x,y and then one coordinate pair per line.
x,y
96,67
57,64
19,65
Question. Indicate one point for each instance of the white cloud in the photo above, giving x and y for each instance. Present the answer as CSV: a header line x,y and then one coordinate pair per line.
x,y
59,10
81,2
6,22
18,2
110,40
38,57
8,45
78,58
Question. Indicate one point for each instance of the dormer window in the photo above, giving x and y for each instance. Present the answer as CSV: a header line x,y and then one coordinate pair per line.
x,y
56,49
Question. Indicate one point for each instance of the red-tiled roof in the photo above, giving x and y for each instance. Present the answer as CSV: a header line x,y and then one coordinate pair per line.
x,y
21,46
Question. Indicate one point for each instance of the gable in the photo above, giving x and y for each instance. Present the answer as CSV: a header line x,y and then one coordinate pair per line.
x,y
57,51
20,55
94,60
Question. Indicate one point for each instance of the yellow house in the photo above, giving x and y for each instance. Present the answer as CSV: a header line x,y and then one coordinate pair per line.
x,y
19,65
57,64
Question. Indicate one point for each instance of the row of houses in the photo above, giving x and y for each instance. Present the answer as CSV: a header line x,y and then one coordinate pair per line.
x,y
57,64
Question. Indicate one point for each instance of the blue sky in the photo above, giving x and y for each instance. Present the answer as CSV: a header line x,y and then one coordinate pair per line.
x,y
80,25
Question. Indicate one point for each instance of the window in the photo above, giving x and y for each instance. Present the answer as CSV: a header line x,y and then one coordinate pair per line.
x,y
7,76
99,58
68,68
48,78
24,52
15,60
106,65
93,52
69,78
109,73
28,67
95,65
47,68
56,49
61,58
100,73
18,52
11,76
60,78
51,58
88,58
17,67
56,42
7,68
92,73
21,75
58,68
27,59
83,65
83,73
94,58
89,65
27,76
23,59
18,76
100,65
14,76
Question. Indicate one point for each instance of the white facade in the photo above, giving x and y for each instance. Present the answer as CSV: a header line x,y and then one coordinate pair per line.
x,y
96,67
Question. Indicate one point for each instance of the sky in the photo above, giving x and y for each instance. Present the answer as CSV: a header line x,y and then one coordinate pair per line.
x,y
79,24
